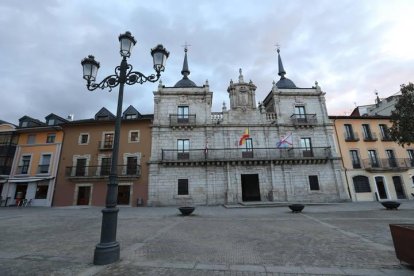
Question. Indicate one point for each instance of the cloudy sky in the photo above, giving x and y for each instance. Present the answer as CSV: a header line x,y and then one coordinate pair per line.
x,y
352,48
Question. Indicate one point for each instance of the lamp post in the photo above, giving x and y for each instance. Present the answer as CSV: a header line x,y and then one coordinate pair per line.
x,y
108,250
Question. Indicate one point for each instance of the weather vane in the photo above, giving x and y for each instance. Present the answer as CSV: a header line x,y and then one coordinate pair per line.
x,y
185,46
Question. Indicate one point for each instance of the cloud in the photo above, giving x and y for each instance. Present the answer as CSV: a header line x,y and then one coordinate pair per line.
x,y
351,48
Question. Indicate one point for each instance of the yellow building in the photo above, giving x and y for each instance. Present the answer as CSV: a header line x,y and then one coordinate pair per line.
x,y
35,164
376,167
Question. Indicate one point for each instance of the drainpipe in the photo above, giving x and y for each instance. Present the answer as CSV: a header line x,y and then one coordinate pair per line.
x,y
342,161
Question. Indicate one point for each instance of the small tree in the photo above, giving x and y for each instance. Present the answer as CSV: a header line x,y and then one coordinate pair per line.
x,y
402,117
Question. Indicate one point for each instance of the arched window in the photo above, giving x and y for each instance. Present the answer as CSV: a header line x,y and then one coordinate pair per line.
x,y
361,184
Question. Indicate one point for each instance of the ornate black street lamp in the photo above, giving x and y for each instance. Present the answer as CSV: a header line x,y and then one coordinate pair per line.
x,y
107,250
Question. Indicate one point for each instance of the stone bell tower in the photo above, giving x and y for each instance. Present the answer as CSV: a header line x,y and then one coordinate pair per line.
x,y
242,94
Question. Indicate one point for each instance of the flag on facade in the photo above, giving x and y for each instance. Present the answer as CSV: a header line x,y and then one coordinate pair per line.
x,y
206,149
286,141
244,137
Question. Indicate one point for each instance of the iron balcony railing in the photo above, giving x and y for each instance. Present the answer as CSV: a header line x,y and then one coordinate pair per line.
x,y
235,154
351,137
370,137
5,170
388,163
102,171
182,120
43,168
106,145
303,119
24,169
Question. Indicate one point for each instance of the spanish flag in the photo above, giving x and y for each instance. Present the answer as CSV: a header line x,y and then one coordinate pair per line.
x,y
244,137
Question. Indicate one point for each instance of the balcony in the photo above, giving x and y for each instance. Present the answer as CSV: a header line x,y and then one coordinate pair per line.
x,y
370,137
303,119
351,137
388,164
106,145
43,169
257,155
178,120
386,138
99,172
22,169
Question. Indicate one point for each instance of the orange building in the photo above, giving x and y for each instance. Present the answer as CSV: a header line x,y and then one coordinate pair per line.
x,y
86,159
35,164
376,167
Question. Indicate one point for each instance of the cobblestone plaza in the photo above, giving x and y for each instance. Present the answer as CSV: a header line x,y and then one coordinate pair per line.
x,y
334,239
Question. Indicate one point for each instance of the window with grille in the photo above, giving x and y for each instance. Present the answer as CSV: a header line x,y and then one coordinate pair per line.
x,y
361,184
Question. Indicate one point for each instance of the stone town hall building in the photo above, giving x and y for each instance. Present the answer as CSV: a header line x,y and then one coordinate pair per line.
x,y
281,150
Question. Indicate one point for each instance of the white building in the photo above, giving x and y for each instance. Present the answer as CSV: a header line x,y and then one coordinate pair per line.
x,y
282,150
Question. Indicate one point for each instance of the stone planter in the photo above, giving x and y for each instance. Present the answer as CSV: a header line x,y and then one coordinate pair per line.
x,y
403,238
186,211
391,205
296,208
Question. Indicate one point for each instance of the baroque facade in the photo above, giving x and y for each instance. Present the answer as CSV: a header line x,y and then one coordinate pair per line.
x,y
281,150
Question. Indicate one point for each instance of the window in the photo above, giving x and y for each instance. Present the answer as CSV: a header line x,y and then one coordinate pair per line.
x,y
361,184
134,136
247,151
51,122
182,186
24,164
132,165
183,147
392,162
31,138
105,165
182,112
24,124
373,158
306,145
80,167
385,134
411,156
50,138
356,164
84,139
300,112
367,133
313,183
349,132
108,140
44,163
130,116
41,191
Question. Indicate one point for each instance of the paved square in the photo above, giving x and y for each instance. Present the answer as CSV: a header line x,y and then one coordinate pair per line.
x,y
337,239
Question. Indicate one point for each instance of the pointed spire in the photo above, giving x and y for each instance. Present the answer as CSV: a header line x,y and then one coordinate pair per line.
x,y
185,72
282,71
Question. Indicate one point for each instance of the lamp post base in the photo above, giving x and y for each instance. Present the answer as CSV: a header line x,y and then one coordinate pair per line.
x,y
106,253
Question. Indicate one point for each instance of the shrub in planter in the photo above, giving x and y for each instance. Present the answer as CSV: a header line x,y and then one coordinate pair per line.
x,y
391,205
296,208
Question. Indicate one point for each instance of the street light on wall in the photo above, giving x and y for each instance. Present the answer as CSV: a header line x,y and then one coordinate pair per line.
x,y
108,250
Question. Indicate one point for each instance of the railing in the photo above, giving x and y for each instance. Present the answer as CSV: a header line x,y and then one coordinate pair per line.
x,y
388,163
106,145
43,168
216,117
102,171
271,116
230,154
371,137
23,169
351,137
5,170
182,120
303,119
386,137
